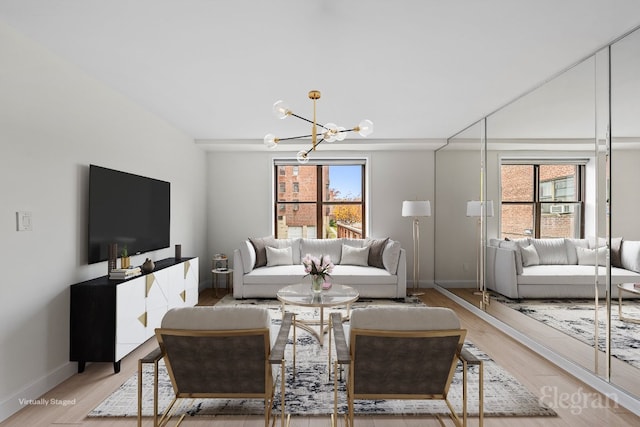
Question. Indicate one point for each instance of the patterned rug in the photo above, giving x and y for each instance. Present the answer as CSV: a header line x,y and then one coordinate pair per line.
x,y
576,318
310,392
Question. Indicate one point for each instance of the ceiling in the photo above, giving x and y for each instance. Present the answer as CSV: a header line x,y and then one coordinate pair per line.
x,y
419,69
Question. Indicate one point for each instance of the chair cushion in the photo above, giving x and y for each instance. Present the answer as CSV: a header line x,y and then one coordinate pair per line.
x,y
216,318
405,318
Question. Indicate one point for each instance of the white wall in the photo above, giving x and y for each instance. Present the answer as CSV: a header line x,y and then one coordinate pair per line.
x,y
625,197
241,192
54,122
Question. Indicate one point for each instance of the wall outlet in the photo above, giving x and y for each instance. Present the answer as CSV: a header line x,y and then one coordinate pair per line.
x,y
23,221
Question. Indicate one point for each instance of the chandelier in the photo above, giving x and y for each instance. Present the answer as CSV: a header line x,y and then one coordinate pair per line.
x,y
319,132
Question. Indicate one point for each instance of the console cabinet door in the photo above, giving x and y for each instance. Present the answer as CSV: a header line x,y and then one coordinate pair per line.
x,y
191,275
156,291
176,288
131,316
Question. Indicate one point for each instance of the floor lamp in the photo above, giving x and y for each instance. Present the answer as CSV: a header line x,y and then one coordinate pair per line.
x,y
474,209
416,209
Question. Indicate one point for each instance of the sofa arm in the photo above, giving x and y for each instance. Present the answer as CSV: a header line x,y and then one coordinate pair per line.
x,y
501,271
238,274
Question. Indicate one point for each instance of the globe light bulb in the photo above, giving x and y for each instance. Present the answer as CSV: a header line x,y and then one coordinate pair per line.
x,y
270,140
341,135
332,132
302,157
366,128
281,109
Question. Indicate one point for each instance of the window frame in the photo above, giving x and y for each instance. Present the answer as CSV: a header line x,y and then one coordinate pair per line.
x,y
321,204
536,203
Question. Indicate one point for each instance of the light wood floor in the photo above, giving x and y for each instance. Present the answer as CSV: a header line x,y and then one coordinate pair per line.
x,y
88,389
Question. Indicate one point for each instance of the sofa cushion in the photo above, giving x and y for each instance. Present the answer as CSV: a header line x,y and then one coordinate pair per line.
x,y
571,245
405,318
630,255
529,256
391,256
354,256
588,256
376,248
572,275
217,318
276,256
322,247
551,251
294,244
283,275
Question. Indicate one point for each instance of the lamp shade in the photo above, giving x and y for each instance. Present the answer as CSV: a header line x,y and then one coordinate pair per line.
x,y
416,208
474,208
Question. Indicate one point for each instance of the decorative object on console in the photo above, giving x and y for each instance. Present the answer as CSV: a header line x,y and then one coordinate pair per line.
x,y
318,269
480,209
148,266
178,254
113,257
416,209
125,261
329,132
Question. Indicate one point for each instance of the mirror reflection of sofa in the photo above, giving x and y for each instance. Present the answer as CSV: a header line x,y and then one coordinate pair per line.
x,y
559,267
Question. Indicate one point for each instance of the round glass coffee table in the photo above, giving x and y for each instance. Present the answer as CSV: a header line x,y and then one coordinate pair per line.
x,y
300,295
632,289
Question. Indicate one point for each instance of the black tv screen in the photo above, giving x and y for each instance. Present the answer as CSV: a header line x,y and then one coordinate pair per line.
x,y
127,209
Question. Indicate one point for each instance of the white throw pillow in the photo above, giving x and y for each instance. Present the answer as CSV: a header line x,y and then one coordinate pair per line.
x,y
572,244
551,251
391,256
588,256
354,256
277,256
529,256
630,255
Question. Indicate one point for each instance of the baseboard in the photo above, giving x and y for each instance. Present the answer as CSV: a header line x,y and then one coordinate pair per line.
x,y
29,394
457,284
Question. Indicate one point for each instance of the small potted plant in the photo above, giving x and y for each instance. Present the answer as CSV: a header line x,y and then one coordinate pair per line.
x,y
125,261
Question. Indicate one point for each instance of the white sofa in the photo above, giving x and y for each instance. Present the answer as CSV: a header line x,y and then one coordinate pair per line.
x,y
262,266
559,268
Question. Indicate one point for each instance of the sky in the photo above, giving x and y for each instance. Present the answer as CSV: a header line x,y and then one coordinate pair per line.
x,y
346,179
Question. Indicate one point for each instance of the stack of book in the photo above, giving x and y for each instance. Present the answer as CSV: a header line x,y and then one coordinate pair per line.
x,y
124,273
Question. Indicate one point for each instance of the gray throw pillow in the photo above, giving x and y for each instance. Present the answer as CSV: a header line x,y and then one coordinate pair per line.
x,y
260,245
376,248
616,247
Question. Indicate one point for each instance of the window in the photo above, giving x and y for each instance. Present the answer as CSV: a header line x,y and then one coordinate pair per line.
x,y
542,199
324,201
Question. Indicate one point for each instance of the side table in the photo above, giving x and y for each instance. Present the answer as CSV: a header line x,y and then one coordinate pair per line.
x,y
216,273
630,288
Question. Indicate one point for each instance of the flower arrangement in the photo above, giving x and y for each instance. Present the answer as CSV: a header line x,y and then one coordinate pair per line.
x,y
318,269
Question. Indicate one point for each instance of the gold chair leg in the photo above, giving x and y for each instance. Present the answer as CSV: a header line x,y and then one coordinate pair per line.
x,y
481,397
464,393
140,394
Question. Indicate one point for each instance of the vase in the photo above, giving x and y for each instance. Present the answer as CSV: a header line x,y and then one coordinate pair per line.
x,y
148,266
316,284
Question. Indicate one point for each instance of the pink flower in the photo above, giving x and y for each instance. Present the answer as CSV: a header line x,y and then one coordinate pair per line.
x,y
318,267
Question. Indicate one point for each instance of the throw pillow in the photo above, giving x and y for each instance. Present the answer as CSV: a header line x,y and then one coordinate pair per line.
x,y
259,244
529,256
588,256
376,248
551,251
630,255
616,247
572,244
354,256
277,256
391,256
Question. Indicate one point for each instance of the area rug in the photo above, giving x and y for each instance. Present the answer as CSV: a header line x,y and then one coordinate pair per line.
x,y
310,392
576,318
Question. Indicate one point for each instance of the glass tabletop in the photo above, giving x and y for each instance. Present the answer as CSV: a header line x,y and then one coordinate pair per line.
x,y
301,295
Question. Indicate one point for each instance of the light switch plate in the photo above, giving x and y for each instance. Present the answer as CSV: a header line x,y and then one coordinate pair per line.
x,y
23,220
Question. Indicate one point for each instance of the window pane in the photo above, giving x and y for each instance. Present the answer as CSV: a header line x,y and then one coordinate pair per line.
x,y
297,220
517,221
558,183
343,182
343,221
297,183
517,183
560,220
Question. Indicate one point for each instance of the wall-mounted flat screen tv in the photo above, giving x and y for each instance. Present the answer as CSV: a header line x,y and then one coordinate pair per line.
x,y
127,209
